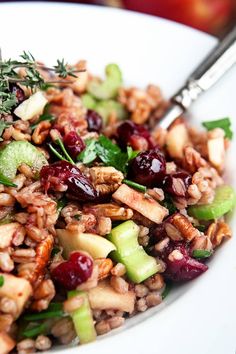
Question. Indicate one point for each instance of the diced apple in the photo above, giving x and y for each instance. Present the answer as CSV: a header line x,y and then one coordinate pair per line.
x,y
177,138
104,297
7,232
6,343
216,152
18,289
138,201
95,245
31,107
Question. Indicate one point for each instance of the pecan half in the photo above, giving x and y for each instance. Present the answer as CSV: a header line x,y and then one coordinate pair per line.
x,y
192,160
217,232
179,227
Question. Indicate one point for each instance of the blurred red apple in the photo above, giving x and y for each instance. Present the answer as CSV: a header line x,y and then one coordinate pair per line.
x,y
207,15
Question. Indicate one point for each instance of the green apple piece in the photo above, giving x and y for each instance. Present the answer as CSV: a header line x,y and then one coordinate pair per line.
x,y
18,152
31,107
97,246
104,297
223,202
108,88
83,319
139,265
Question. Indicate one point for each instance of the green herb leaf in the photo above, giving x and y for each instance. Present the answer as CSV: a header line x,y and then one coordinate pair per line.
x,y
51,313
168,204
55,251
201,254
135,185
108,152
35,331
6,181
223,123
1,280
167,290
201,228
56,153
89,154
63,149
3,125
61,204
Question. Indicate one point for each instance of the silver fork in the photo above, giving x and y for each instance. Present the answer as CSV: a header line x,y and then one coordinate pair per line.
x,y
211,69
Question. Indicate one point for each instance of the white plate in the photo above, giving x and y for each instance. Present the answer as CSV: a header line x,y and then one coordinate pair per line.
x,y
199,317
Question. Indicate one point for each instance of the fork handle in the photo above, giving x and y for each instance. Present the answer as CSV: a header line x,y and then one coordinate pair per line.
x,y
212,68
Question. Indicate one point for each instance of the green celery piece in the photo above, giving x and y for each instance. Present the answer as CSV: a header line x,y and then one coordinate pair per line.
x,y
18,152
138,263
105,108
88,101
83,319
224,201
109,87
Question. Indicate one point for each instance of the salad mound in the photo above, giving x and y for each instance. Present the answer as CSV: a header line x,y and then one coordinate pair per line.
x,y
102,210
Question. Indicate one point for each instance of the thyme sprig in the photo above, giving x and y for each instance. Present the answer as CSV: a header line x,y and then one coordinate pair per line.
x,y
32,79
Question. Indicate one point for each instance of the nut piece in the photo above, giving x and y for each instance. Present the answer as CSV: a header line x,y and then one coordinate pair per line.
x,y
183,227
192,160
106,179
217,232
201,242
104,267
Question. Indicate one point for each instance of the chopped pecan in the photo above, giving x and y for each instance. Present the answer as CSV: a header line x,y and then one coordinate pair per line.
x,y
104,226
141,103
104,267
41,132
182,227
106,179
107,175
201,242
192,160
217,232
111,210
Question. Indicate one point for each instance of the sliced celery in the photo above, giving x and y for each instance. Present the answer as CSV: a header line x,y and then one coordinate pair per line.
x,y
224,201
139,265
88,101
108,88
18,152
107,107
83,319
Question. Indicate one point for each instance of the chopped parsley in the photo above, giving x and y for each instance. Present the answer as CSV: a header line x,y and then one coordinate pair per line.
x,y
223,123
108,152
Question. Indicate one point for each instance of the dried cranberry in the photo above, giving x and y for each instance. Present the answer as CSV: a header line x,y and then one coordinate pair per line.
x,y
94,121
128,132
148,168
73,272
183,268
18,92
177,183
63,173
74,144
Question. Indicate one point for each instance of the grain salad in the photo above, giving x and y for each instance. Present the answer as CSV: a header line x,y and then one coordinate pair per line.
x,y
101,209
